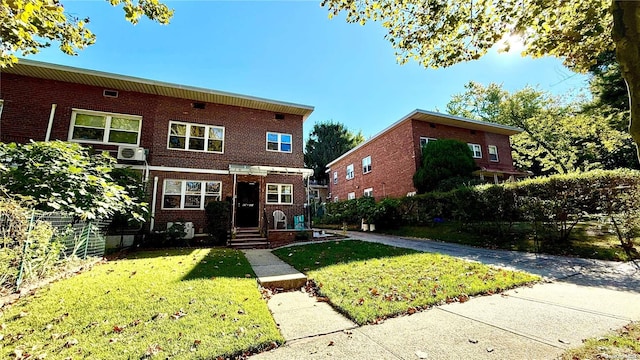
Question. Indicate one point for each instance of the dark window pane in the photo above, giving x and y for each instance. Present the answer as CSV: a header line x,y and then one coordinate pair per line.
x,y
171,201
176,142
215,145
192,201
272,146
123,137
272,198
196,144
80,133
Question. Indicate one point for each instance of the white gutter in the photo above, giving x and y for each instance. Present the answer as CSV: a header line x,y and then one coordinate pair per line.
x,y
153,203
50,125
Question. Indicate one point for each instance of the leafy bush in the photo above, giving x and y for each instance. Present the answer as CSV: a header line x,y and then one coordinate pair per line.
x,y
444,159
67,177
218,221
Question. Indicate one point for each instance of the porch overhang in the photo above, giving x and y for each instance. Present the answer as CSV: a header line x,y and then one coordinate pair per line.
x,y
261,170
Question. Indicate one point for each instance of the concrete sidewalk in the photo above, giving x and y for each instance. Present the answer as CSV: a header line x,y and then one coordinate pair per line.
x,y
273,272
587,298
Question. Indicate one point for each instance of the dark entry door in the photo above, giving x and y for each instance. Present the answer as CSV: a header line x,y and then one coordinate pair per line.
x,y
248,204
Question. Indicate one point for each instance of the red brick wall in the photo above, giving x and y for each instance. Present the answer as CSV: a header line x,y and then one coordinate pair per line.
x,y
395,157
484,139
392,166
27,105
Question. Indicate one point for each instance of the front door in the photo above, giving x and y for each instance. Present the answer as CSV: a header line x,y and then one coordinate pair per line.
x,y
247,206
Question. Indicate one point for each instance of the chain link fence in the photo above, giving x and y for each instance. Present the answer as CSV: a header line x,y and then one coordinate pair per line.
x,y
35,245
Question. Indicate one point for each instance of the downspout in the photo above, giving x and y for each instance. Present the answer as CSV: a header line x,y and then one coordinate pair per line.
x,y
50,125
308,201
233,210
153,204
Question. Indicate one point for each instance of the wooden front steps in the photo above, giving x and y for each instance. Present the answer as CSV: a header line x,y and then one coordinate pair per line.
x,y
248,238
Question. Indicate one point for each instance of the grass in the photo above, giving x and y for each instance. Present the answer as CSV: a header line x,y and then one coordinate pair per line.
x,y
178,304
369,282
587,240
622,344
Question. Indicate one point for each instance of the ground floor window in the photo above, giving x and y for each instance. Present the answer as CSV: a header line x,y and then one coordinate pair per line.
x,y
368,192
190,194
351,196
280,194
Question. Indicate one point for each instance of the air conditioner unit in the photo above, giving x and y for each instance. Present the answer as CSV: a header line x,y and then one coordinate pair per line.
x,y
188,229
131,153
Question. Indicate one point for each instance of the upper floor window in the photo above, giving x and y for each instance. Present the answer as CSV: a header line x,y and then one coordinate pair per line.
x,y
107,128
280,194
476,150
366,165
188,194
425,140
278,142
493,153
335,177
368,192
196,137
351,196
350,172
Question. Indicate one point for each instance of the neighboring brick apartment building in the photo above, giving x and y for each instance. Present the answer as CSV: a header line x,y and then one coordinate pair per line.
x,y
193,145
384,165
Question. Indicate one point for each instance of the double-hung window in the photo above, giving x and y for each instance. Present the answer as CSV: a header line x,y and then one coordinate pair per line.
x,y
335,177
196,137
493,153
350,172
476,150
105,128
425,140
280,194
366,165
190,194
279,142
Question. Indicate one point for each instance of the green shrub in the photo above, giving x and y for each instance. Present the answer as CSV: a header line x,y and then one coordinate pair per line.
x,y
218,221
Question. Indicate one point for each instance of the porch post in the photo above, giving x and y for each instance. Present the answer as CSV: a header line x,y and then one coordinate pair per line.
x,y
495,178
233,210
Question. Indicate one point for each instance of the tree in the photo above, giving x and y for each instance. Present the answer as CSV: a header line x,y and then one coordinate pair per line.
x,y
558,137
26,26
64,176
328,141
442,160
441,33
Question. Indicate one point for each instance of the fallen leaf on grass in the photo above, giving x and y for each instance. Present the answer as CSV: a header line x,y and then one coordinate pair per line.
x,y
179,314
70,343
151,351
118,329
159,316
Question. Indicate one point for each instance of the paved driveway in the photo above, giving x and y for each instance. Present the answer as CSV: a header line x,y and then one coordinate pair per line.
x,y
582,298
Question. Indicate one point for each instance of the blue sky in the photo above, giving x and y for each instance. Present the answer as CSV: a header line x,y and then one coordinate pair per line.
x,y
291,51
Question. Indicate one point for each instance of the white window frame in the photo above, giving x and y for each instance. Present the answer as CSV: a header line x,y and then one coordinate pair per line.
x,y
187,136
495,152
335,199
107,127
351,196
350,172
183,193
366,165
335,177
368,192
1,106
279,142
476,150
426,140
280,193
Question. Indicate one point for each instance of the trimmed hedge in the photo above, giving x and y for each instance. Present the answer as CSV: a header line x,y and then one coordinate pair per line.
x,y
558,202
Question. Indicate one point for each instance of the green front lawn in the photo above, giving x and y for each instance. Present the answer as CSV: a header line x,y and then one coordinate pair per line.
x,y
369,282
587,240
622,344
178,304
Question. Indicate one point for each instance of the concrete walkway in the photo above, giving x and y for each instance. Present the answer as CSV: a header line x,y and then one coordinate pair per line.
x,y
586,298
272,272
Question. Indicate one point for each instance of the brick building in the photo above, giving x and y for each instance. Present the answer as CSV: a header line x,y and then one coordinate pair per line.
x,y
192,145
384,165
